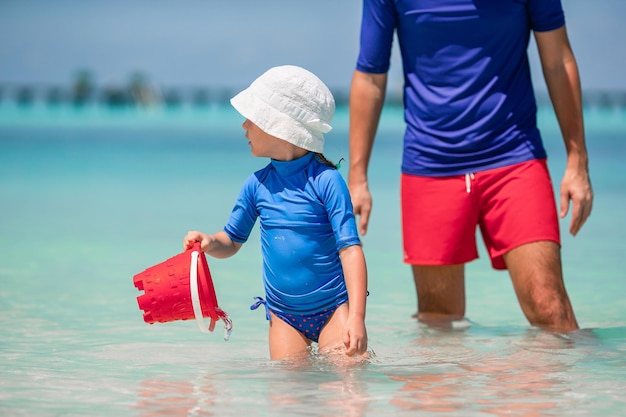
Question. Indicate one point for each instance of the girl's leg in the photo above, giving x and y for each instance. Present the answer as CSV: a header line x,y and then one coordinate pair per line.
x,y
331,336
285,341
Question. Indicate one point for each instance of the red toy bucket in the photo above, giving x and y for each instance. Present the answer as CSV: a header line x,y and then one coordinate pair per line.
x,y
181,288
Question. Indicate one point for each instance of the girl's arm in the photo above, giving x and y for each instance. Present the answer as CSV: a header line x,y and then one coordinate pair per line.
x,y
218,245
355,275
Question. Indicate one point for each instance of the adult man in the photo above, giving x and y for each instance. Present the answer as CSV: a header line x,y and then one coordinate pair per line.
x,y
473,155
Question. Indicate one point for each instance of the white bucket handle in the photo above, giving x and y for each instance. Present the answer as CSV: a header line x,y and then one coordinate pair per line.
x,y
195,301
195,297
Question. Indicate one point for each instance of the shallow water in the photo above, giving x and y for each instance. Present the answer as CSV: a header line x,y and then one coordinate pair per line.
x,y
91,197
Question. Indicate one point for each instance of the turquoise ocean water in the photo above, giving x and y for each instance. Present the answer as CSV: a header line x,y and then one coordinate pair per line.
x,y
91,196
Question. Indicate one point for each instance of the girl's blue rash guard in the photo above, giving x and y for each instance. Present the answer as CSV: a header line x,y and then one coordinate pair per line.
x,y
306,217
468,96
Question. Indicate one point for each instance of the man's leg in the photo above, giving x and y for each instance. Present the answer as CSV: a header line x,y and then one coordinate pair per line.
x,y
537,277
439,219
440,293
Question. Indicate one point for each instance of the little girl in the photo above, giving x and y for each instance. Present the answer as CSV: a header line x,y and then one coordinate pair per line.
x,y
314,271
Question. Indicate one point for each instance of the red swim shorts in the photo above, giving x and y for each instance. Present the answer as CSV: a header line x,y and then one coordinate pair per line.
x,y
511,205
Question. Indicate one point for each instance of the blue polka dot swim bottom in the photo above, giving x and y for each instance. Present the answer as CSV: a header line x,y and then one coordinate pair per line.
x,y
310,325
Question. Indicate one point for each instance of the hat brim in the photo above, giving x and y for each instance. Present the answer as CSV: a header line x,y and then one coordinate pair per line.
x,y
276,123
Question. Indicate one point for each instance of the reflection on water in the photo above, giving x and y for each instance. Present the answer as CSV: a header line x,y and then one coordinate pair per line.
x,y
446,372
533,375
325,390
284,389
176,398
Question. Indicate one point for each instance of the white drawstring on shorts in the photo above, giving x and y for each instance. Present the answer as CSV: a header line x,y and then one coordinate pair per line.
x,y
468,181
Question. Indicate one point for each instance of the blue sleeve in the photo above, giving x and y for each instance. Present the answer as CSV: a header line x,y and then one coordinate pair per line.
x,y
244,213
335,196
378,24
545,15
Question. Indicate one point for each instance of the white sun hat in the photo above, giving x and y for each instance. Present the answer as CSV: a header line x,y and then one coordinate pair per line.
x,y
290,103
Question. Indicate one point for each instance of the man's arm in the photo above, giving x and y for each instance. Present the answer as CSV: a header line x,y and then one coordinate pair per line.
x,y
367,96
561,74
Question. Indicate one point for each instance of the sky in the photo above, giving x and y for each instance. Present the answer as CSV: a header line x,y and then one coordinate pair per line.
x,y
216,43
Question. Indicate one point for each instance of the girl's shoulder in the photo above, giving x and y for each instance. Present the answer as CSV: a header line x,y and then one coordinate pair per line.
x,y
323,172
261,174
328,182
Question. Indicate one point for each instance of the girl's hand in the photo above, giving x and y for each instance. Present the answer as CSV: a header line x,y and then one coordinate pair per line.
x,y
194,236
218,245
355,337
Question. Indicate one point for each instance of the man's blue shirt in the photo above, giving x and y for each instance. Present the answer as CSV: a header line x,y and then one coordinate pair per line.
x,y
469,100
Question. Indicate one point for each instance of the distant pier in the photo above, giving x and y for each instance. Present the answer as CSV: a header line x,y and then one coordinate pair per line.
x,y
143,95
